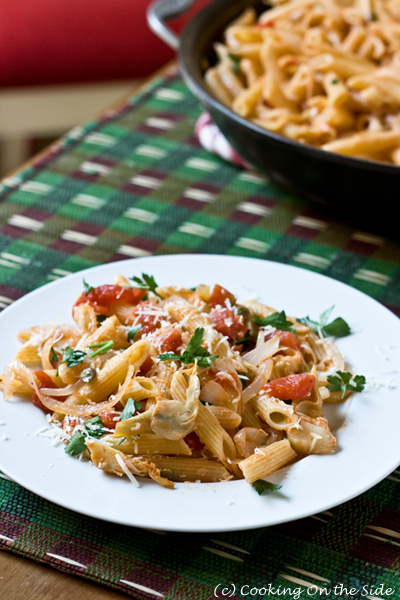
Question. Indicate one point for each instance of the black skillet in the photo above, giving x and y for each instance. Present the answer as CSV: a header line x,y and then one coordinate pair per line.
x,y
360,189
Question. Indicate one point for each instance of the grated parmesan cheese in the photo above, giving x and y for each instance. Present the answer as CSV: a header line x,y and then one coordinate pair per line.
x,y
127,472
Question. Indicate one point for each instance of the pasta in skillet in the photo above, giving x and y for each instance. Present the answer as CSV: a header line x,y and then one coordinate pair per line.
x,y
181,384
322,72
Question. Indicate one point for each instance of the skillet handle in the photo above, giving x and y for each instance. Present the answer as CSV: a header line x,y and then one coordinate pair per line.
x,y
162,10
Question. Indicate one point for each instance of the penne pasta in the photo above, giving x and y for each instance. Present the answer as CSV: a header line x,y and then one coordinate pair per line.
x,y
267,460
320,73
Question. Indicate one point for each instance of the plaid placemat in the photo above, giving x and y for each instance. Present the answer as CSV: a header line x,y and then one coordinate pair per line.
x,y
136,183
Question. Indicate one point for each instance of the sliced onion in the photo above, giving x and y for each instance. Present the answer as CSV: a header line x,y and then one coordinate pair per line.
x,y
266,350
64,391
264,372
214,393
83,410
15,371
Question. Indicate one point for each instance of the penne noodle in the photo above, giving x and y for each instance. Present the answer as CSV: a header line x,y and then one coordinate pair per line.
x,y
267,460
192,469
147,443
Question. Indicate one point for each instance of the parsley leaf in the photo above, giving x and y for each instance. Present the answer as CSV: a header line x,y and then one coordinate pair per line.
x,y
130,408
277,320
102,348
133,331
54,356
95,427
247,338
346,382
235,66
121,440
338,327
76,444
265,487
72,357
194,351
146,283
88,288
100,319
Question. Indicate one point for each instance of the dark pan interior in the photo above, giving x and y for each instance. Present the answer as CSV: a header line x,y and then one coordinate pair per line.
x,y
367,190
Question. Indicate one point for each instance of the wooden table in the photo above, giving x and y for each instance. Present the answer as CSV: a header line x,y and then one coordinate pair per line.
x,y
23,579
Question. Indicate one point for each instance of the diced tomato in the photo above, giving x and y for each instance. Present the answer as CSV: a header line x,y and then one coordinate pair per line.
x,y
108,416
292,387
146,366
287,338
238,347
44,381
193,441
219,295
226,322
149,322
102,296
69,424
169,340
36,401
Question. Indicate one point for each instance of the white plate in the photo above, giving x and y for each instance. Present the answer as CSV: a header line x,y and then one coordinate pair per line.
x,y
367,450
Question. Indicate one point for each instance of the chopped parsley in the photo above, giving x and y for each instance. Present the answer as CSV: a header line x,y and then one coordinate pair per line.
x,y
265,487
94,428
235,63
346,382
101,348
88,288
277,320
54,356
194,351
334,81
133,331
130,408
77,444
247,338
121,440
337,328
100,319
146,283
72,357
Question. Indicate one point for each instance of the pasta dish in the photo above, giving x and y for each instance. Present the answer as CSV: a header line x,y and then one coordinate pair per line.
x,y
321,72
182,384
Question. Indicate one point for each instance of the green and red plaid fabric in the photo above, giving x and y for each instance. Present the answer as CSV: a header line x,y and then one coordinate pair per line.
x,y
136,183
